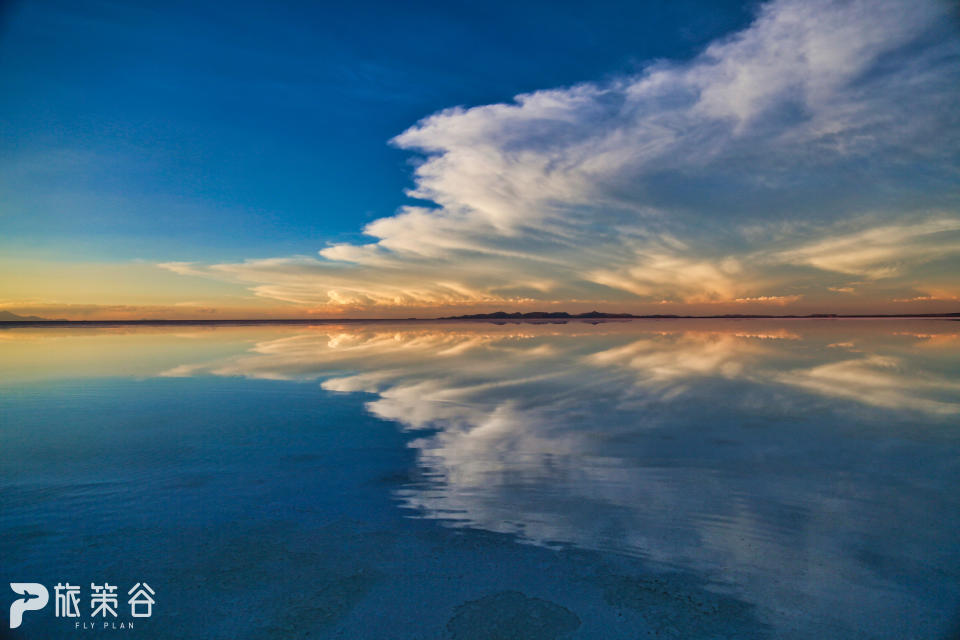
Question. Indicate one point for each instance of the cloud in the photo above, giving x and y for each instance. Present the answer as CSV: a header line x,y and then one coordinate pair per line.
x,y
882,251
827,129
781,300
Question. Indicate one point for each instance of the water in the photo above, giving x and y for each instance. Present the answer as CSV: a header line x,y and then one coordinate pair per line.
x,y
678,479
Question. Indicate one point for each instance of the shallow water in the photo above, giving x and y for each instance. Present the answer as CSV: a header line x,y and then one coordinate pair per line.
x,y
688,479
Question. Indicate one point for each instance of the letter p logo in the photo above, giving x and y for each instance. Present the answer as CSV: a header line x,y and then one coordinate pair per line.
x,y
34,596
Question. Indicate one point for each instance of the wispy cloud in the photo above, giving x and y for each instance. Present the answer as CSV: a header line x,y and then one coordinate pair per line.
x,y
882,251
825,129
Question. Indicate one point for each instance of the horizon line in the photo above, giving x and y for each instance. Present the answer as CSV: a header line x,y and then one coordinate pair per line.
x,y
496,316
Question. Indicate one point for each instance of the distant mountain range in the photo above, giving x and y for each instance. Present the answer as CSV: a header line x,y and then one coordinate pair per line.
x,y
563,315
9,316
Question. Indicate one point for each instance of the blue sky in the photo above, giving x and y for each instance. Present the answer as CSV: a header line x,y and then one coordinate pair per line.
x,y
164,131
182,159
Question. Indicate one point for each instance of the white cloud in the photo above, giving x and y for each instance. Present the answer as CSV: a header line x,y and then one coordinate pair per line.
x,y
654,186
881,251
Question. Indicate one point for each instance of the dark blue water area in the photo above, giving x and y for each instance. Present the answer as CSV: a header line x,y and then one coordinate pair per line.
x,y
233,499
260,508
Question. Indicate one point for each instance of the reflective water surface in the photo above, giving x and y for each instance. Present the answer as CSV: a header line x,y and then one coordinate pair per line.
x,y
685,478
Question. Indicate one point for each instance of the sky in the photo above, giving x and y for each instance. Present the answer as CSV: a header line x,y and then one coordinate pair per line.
x,y
174,160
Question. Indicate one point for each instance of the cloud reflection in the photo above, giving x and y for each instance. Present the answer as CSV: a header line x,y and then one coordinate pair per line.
x,y
765,457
